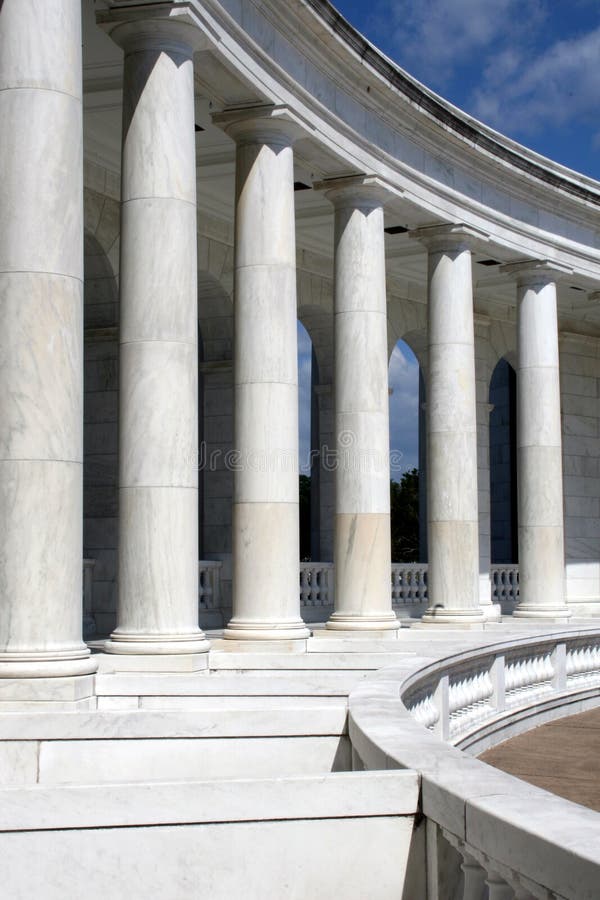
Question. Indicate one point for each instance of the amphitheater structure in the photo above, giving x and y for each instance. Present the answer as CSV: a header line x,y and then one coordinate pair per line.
x,y
186,710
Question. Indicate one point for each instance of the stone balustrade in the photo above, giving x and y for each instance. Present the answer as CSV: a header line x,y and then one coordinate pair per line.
x,y
408,586
316,584
505,586
427,711
484,687
409,583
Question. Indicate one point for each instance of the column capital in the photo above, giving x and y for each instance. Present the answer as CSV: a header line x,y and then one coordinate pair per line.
x,y
453,236
266,123
362,191
150,26
535,271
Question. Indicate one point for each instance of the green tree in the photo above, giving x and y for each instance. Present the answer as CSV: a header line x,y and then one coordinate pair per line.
x,y
404,509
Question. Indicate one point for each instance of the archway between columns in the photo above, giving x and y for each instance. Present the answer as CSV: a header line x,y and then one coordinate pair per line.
x,y
407,455
100,416
503,465
215,443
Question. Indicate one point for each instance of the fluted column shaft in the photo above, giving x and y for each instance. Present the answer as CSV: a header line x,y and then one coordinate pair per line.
x,y
158,355
362,551
452,511
41,340
266,600
539,444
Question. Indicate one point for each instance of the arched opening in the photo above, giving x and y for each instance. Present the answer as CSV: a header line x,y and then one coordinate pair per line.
x,y
406,453
100,445
503,465
307,445
215,442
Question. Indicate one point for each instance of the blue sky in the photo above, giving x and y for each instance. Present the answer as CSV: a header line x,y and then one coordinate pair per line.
x,y
528,68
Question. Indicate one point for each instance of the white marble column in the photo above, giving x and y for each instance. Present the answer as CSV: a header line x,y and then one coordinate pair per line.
x,y
266,598
539,443
362,550
452,518
158,357
41,342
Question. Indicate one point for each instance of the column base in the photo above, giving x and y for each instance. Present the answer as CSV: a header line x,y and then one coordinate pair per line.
x,y
47,694
543,614
340,621
157,645
249,630
47,664
459,618
47,680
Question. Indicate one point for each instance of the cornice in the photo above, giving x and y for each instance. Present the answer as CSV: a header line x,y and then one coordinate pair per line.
x,y
356,152
475,133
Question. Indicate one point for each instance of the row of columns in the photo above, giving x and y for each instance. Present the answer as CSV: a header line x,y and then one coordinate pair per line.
x,y
41,278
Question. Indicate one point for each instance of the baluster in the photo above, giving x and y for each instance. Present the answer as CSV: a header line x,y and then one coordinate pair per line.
x,y
498,889
304,588
473,877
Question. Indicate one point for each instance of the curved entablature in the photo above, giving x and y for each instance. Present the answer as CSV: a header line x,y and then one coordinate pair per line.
x,y
362,114
474,132
418,714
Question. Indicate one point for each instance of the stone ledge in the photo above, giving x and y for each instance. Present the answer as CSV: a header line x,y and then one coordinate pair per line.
x,y
339,795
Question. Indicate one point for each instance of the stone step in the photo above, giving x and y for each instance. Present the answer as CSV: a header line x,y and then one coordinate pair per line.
x,y
224,683
336,794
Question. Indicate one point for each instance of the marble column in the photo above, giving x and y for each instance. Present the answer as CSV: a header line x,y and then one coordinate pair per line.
x,y
452,511
41,343
158,354
362,548
539,443
266,553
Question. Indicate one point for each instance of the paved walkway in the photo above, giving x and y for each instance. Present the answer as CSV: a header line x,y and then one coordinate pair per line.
x,y
562,757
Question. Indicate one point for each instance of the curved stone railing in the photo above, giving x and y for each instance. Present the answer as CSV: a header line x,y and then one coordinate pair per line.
x,y
518,839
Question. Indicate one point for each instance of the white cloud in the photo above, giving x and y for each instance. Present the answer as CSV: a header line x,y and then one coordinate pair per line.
x,y
434,38
496,57
554,87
